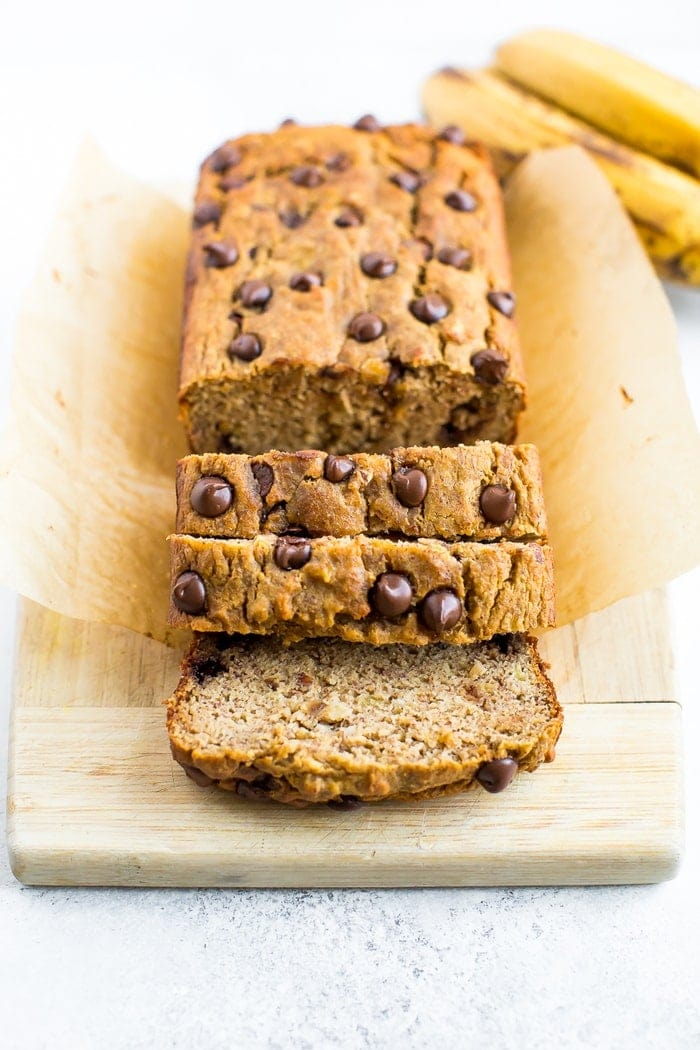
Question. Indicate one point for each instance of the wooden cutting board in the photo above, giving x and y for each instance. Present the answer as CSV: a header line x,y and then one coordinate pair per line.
x,y
95,798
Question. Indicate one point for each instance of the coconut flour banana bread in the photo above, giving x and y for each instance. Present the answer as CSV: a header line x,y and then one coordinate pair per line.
x,y
348,288
482,492
361,588
324,721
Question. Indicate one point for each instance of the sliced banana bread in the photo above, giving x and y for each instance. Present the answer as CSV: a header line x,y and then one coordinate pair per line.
x,y
361,588
324,721
482,492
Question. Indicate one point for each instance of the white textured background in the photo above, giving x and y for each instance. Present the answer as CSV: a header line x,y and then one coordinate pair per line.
x,y
159,84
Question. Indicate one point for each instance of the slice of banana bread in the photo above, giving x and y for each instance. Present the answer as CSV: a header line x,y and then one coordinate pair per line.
x,y
482,492
361,588
324,721
348,288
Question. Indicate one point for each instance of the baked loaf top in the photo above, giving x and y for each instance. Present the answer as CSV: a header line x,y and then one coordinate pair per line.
x,y
361,588
483,492
345,251
329,722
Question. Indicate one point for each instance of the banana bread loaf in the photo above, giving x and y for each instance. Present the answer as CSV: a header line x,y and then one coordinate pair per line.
x,y
361,588
348,288
324,721
482,492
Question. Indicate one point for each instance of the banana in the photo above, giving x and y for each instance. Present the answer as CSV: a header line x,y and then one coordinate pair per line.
x,y
664,203
625,98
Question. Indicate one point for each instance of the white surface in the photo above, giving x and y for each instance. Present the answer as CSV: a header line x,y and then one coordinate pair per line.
x,y
158,84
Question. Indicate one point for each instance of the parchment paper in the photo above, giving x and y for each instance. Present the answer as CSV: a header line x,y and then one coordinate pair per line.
x,y
607,406
87,468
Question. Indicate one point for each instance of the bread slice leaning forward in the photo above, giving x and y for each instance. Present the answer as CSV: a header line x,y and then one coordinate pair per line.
x,y
329,721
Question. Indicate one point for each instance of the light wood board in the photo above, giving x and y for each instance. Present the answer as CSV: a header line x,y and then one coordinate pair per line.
x,y
95,799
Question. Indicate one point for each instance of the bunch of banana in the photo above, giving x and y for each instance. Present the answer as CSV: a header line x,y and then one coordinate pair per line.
x,y
629,113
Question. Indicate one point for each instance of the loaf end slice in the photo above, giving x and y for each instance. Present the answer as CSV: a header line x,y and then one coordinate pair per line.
x,y
328,721
348,289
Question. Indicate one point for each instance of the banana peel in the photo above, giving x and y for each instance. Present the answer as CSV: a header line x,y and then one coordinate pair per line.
x,y
630,101
664,203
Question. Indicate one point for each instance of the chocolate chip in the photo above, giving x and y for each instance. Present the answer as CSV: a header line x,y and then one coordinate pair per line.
x,y
304,282
189,594
220,254
497,503
289,122
338,468
232,182
460,258
406,180
292,552
257,789
236,316
425,247
255,293
497,774
338,162
429,309
367,123
207,668
211,496
504,302
345,802
348,217
396,371
245,347
378,264
489,366
307,175
460,200
392,594
441,610
410,486
291,218
452,134
366,327
206,212
264,475
226,156
200,778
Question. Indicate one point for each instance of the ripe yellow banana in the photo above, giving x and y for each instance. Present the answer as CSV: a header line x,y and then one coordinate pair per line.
x,y
623,97
663,202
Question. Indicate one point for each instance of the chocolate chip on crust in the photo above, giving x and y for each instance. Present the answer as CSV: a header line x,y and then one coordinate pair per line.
x,y
392,594
264,475
367,123
429,308
189,593
338,468
497,774
206,212
220,254
441,610
460,200
489,366
497,503
246,347
211,496
292,552
307,175
410,486
366,327
378,264
504,302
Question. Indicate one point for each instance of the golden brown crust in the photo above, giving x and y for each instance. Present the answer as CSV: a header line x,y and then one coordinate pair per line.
x,y
501,587
416,383
316,753
297,495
